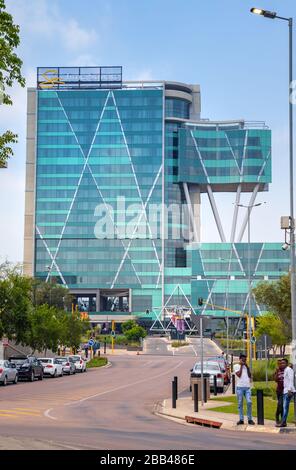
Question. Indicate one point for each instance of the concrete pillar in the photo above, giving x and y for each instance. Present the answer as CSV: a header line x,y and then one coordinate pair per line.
x,y
194,192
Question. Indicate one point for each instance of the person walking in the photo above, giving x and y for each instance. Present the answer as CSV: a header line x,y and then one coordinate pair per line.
x,y
279,379
243,389
289,390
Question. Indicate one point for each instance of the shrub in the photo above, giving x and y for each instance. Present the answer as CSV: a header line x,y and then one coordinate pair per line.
x,y
97,362
136,333
259,370
179,344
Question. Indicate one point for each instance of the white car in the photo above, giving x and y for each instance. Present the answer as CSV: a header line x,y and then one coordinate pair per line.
x,y
80,364
51,367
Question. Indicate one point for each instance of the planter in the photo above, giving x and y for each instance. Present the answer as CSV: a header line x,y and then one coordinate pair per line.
x,y
134,348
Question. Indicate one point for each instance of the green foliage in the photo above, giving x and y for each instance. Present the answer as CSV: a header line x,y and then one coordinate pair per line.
x,y
15,303
26,317
236,344
276,296
179,344
136,333
52,294
128,325
259,370
270,324
97,362
10,72
269,389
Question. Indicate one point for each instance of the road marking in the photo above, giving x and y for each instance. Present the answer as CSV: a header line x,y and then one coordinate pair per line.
x,y
194,350
75,403
6,415
47,415
17,412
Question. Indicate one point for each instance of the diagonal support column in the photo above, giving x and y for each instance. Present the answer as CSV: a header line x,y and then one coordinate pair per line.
x,y
235,214
215,213
245,221
191,214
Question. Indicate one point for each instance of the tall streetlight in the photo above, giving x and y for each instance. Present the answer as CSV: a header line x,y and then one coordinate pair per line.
x,y
273,15
250,207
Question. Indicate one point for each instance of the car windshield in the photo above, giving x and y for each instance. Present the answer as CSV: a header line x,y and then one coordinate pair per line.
x,y
45,361
75,358
19,360
60,360
207,365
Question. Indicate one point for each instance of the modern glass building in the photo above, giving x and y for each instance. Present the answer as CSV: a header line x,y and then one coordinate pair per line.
x,y
115,174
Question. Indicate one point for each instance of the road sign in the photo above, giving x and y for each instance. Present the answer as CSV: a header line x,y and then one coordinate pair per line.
x,y
113,333
253,339
91,342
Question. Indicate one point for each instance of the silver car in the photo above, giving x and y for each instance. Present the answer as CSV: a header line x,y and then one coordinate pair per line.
x,y
67,363
214,369
8,373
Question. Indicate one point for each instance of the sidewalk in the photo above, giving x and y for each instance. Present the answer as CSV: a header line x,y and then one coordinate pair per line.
x,y
228,421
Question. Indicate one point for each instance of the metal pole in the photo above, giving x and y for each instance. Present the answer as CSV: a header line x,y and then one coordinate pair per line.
x,y
174,398
205,389
215,385
249,274
202,360
260,407
292,234
176,380
227,336
265,346
195,397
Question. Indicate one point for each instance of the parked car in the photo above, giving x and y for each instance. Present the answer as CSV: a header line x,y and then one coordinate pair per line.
x,y
28,367
68,364
213,369
8,373
51,367
224,366
80,364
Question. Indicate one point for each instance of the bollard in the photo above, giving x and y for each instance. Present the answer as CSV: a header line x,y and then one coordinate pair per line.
x,y
190,388
233,384
215,385
174,399
195,396
260,407
231,365
205,390
105,347
176,380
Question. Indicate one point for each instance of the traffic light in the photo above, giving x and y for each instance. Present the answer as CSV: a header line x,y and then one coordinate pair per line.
x,y
147,312
200,301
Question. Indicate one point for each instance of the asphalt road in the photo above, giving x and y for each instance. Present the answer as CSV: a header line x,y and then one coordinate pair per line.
x,y
112,408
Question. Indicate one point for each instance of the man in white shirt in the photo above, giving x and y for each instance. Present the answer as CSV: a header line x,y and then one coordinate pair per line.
x,y
289,390
243,389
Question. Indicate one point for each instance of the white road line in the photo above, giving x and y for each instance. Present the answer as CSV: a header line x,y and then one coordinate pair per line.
x,y
47,415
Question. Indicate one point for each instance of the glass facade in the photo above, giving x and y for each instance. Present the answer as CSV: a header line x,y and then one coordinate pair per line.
x,y
101,154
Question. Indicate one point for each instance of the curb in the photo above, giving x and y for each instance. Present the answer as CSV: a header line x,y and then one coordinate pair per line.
x,y
159,411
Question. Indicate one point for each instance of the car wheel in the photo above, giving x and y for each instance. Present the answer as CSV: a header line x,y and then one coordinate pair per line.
x,y
81,370
4,381
55,374
40,376
32,378
15,379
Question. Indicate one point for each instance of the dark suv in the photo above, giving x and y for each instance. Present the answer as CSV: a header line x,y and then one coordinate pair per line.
x,y
28,367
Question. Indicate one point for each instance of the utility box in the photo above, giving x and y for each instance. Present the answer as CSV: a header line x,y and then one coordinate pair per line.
x,y
286,222
196,379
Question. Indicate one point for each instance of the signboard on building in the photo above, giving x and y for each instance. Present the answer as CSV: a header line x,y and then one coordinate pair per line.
x,y
65,78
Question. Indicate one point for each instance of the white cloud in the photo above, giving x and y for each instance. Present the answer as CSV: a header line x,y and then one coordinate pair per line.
x,y
44,19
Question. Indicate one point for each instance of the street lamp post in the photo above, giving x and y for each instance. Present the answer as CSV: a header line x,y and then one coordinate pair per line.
x,y
249,208
273,15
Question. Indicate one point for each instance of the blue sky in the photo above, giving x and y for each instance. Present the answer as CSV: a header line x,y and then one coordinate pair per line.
x,y
239,60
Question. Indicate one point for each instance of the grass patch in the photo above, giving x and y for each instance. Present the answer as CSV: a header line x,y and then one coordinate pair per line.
x,y
269,407
179,344
97,362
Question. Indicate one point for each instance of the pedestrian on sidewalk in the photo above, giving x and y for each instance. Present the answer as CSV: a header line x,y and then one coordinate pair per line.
x,y
243,389
279,379
289,391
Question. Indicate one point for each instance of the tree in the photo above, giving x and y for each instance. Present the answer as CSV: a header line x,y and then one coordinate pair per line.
x,y
10,72
128,325
51,293
276,296
73,329
45,329
136,333
270,324
15,303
